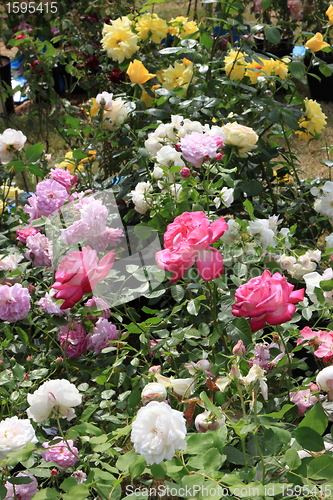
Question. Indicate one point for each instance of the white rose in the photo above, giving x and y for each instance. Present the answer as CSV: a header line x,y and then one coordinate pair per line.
x,y
8,140
207,422
54,396
106,98
239,135
10,262
255,374
153,392
183,387
153,145
297,271
15,434
158,431
231,235
324,380
116,115
286,261
140,197
329,241
227,196
168,157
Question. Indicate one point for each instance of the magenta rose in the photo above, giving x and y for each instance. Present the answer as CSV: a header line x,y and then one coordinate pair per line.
x,y
266,299
187,241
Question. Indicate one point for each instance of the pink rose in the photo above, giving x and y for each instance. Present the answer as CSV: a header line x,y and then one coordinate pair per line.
x,y
187,240
73,340
62,453
14,302
22,234
303,399
266,299
79,273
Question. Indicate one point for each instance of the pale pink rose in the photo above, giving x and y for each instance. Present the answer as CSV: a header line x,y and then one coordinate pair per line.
x,y
267,299
61,453
75,232
110,237
64,177
14,302
73,340
303,399
79,273
79,476
22,491
22,234
94,214
49,305
322,339
296,9
197,148
102,335
257,5
99,304
187,240
32,209
40,250
239,349
50,196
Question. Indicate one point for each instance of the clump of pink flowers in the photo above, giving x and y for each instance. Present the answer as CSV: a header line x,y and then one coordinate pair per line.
x,y
40,250
73,340
14,302
322,339
197,148
103,333
63,453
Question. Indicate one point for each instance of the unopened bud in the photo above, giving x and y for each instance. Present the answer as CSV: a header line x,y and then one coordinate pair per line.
x,y
153,392
239,349
31,288
219,156
185,172
154,369
207,422
54,472
178,148
234,372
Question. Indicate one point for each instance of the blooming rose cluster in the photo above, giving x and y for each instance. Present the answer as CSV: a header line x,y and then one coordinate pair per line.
x,y
264,231
140,197
237,67
75,341
187,241
313,122
300,266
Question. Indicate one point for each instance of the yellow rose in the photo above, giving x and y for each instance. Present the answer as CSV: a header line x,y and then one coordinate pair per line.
x,y
119,43
313,122
235,65
179,75
238,135
148,99
181,27
3,207
10,191
138,73
316,43
329,14
151,23
68,163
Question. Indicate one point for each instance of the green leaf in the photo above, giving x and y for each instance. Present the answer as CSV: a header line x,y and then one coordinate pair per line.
x,y
272,34
193,307
309,439
209,405
251,188
321,467
46,494
212,460
79,492
316,419
18,165
21,480
137,468
292,459
248,207
280,414
296,69
177,293
35,170
199,443
158,470
206,40
88,411
126,460
21,455
34,152
266,4
326,286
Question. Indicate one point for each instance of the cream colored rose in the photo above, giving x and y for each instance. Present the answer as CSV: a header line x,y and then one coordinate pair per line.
x,y
116,115
15,433
238,135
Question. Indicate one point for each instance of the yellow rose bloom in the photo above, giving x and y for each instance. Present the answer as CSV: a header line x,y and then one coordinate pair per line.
x,y
68,162
235,65
254,70
329,14
182,27
179,75
92,157
138,73
121,22
3,207
146,98
316,43
10,191
313,122
119,43
151,23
